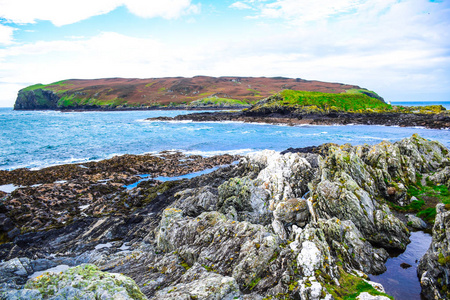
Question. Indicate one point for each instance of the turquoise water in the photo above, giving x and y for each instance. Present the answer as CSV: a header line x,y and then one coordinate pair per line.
x,y
36,139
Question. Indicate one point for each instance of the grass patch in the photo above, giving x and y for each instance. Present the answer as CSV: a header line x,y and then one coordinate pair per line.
x,y
355,102
255,92
351,286
34,87
428,196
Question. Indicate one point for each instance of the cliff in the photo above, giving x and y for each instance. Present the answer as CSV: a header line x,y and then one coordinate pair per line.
x,y
199,91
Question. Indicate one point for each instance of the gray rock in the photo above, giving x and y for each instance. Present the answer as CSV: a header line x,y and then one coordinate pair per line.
x,y
198,283
415,222
15,272
82,282
351,247
195,201
367,296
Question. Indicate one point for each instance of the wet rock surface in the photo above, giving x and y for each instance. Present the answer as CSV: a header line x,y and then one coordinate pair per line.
x,y
55,196
289,117
305,224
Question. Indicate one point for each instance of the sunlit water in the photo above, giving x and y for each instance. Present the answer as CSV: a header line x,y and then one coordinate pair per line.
x,y
36,139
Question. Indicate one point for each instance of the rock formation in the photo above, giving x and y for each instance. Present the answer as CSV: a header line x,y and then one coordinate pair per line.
x,y
273,226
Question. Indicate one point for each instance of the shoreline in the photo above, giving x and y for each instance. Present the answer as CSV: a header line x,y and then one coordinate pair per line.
x,y
430,121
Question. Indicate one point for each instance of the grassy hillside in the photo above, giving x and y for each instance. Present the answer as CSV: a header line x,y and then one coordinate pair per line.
x,y
323,102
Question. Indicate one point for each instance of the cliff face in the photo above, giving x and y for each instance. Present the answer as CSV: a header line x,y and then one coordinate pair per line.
x,y
36,99
153,92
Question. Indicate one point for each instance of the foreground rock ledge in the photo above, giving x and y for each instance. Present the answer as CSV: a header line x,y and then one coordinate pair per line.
x,y
274,226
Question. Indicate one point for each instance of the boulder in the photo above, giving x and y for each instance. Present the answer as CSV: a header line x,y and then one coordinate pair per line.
x,y
416,222
81,282
198,283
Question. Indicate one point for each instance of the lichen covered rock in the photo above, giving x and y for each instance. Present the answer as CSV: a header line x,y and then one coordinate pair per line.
x,y
198,283
81,282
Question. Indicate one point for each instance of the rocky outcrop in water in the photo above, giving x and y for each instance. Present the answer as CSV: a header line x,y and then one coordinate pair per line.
x,y
286,116
299,225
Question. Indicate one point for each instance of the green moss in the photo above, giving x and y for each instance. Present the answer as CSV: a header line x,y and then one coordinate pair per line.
x,y
154,191
293,286
443,260
209,269
185,265
4,238
274,257
254,282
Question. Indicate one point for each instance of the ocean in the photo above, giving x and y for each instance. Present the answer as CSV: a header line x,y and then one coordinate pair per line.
x,y
36,139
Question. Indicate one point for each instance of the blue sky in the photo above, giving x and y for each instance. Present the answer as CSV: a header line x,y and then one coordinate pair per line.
x,y
399,48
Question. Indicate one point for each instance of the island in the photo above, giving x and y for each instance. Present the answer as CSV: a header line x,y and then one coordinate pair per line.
x,y
163,93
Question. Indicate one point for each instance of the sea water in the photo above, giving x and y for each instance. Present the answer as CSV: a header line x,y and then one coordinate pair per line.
x,y
36,139
402,282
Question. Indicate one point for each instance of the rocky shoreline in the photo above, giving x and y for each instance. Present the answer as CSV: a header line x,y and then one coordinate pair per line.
x,y
433,121
302,224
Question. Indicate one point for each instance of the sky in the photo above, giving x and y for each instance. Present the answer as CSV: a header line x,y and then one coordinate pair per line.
x,y
398,48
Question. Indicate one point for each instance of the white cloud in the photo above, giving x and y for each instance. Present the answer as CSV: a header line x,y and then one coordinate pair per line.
x,y
400,50
168,9
306,10
6,34
61,12
240,5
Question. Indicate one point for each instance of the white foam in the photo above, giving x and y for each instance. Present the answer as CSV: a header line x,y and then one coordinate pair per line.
x,y
8,188
83,207
124,247
218,152
101,246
